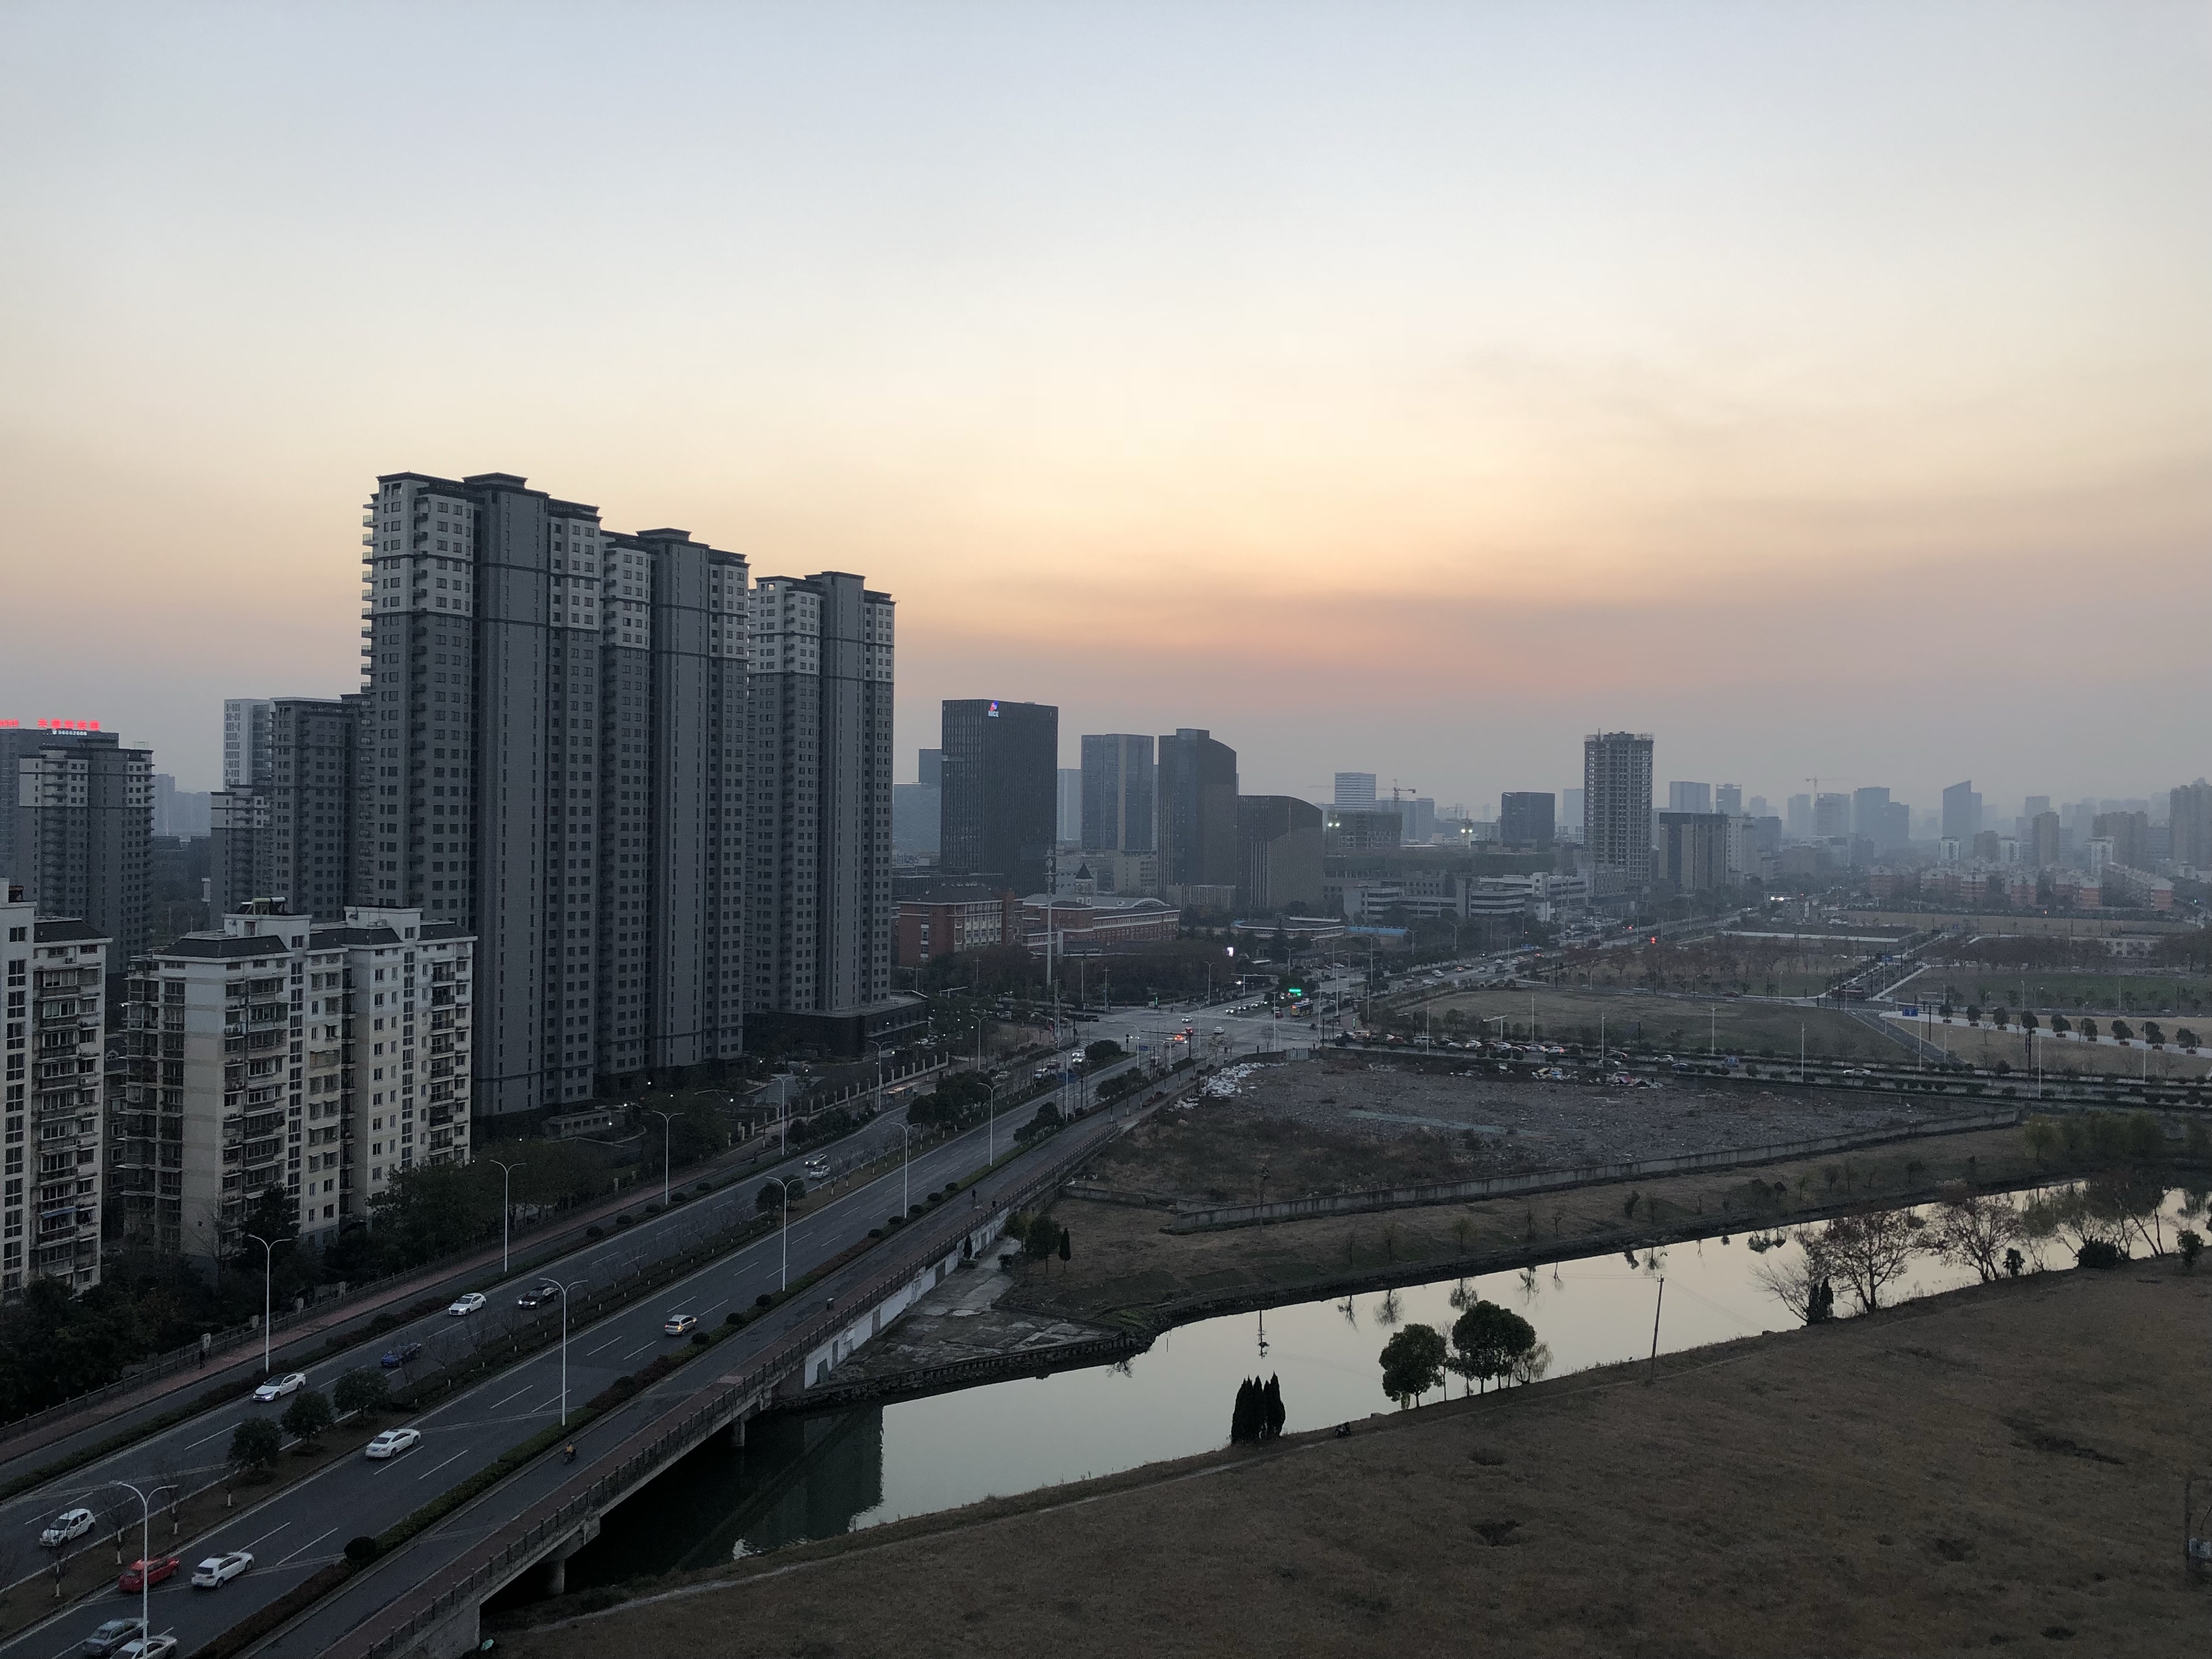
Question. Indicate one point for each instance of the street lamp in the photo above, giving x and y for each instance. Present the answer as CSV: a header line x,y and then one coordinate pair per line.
x,y
667,1126
906,1157
785,1193
145,1552
578,1286
506,1171
268,1272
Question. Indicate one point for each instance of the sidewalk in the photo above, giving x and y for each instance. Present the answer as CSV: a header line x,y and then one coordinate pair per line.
x,y
19,1453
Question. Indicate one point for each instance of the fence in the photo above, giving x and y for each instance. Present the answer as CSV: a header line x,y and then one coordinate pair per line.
x,y
727,1404
1197,1218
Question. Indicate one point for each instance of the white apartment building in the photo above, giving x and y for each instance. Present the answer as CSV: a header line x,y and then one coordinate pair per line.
x,y
318,1059
55,972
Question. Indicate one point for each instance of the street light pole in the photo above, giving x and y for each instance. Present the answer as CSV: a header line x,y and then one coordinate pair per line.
x,y
506,1172
565,1288
906,1158
667,1124
785,1191
145,1555
268,1272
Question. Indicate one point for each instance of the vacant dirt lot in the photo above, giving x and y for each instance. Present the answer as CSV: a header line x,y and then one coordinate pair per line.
x,y
1124,1258
1997,1470
1341,1124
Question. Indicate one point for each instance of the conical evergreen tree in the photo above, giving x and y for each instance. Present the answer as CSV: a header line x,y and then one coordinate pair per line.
x,y
1274,1405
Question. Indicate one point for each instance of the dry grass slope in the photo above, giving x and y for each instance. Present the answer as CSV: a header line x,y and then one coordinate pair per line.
x,y
1998,1470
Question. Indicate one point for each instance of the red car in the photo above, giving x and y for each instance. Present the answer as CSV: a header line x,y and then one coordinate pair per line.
x,y
139,1574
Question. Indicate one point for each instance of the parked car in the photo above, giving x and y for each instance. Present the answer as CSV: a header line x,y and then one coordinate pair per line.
x,y
148,1647
399,1356
68,1526
680,1324
277,1386
108,1640
219,1569
391,1443
537,1295
139,1574
464,1305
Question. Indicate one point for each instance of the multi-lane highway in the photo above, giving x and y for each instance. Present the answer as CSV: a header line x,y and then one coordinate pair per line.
x,y
307,1524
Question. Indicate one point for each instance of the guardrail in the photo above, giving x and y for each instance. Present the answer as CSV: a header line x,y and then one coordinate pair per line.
x,y
728,1402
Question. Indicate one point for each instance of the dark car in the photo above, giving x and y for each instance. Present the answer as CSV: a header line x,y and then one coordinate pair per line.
x,y
537,1295
109,1638
402,1354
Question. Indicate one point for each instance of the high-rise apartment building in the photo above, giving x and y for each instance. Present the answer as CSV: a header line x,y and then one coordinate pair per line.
x,y
1002,770
821,917
1798,814
248,735
1617,803
1866,808
2046,840
279,1055
55,971
2129,832
1894,827
1689,798
1962,812
551,755
1525,818
1694,850
84,829
177,812
1117,793
1832,817
239,849
1279,845
2189,824
1355,790
1197,822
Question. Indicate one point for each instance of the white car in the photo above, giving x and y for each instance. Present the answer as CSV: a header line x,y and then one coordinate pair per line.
x,y
68,1525
219,1569
277,1386
151,1647
392,1442
467,1304
816,1169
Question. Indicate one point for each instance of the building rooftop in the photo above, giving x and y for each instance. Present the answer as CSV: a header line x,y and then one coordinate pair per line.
x,y
66,930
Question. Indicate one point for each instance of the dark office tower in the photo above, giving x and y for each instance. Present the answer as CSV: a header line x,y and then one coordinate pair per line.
x,y
1117,793
551,754
1868,806
1001,788
1524,817
1197,816
1617,803
1727,799
2189,824
1894,827
821,916
930,764
1279,847
84,832
1962,812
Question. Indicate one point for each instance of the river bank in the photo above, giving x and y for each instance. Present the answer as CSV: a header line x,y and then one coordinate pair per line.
x,y
1993,1466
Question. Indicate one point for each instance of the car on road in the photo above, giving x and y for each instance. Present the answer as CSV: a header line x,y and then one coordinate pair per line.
x,y
464,1305
680,1324
107,1641
398,1356
537,1295
277,1386
219,1569
816,1169
139,1574
68,1526
148,1647
391,1443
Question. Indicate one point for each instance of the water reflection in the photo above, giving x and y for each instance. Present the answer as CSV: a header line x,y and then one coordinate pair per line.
x,y
801,1477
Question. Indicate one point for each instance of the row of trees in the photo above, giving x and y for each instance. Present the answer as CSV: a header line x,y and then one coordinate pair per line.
x,y
256,1442
1258,1415
1489,1344
2152,1032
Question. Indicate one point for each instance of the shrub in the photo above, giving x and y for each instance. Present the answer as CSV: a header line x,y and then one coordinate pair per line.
x,y
360,1551
625,1219
700,1339
763,1300
2190,1244
595,1230
2100,1252
733,1318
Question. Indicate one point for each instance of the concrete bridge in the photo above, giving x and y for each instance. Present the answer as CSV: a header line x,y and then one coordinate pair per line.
x,y
439,1617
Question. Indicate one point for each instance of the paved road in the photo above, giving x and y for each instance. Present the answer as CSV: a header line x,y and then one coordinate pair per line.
x,y
309,1524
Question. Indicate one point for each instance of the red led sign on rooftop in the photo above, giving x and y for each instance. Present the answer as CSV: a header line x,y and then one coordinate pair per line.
x,y
53,725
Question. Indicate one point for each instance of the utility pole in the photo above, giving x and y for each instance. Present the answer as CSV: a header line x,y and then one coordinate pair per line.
x,y
1652,1375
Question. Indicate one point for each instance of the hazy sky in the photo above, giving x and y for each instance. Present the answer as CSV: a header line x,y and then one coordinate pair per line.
x,y
1405,388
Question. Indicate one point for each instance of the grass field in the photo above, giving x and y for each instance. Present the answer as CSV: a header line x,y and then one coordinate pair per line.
x,y
1684,1023
1979,1045
1995,1470
2177,996
1764,969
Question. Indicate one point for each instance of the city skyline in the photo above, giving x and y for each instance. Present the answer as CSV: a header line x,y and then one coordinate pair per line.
x,y
1596,369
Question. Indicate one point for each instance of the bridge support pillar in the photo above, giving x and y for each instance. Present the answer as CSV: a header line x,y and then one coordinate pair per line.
x,y
556,1564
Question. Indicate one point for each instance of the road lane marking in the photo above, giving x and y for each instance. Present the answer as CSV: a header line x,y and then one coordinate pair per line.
x,y
517,1395
302,1550
455,1458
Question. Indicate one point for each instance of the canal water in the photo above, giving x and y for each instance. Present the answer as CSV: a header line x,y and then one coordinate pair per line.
x,y
800,1477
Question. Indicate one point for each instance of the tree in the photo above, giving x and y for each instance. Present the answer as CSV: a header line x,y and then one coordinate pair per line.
x,y
1870,1252
307,1416
1486,1341
2186,1038
1047,1117
2043,1139
2121,1032
1042,1239
255,1445
2152,1033
1413,1363
2190,1244
1246,1419
2089,1029
1802,1285
1276,1414
1973,1230
1104,1052
1066,1250
362,1390
273,1215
